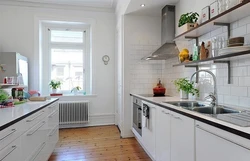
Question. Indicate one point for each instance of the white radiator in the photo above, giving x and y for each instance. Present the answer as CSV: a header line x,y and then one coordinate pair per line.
x,y
71,113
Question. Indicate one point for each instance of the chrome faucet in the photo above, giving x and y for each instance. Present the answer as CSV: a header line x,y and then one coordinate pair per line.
x,y
213,95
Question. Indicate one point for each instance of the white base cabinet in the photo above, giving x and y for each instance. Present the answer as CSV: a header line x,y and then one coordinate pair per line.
x,y
212,146
33,138
163,134
148,130
182,138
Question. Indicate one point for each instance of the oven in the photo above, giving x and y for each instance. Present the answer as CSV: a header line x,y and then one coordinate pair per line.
x,y
137,115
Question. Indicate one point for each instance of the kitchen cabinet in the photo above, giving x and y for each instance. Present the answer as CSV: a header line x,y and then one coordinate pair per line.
x,y
32,138
149,129
163,134
212,145
11,152
182,138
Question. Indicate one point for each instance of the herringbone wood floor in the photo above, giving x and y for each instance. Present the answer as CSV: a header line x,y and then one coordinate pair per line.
x,y
97,144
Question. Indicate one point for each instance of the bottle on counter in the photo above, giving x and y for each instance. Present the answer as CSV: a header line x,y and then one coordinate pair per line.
x,y
195,53
203,52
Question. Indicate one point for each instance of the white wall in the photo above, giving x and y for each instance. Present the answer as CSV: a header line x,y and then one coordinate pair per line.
x,y
235,94
18,33
142,35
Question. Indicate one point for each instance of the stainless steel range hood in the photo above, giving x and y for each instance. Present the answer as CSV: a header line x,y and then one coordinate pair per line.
x,y
168,49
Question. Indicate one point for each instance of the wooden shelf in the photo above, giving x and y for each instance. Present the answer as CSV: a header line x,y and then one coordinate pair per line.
x,y
233,14
12,86
222,57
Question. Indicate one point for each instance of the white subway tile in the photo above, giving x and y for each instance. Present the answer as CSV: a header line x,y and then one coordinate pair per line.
x,y
239,71
231,100
223,90
244,81
248,28
244,21
241,31
234,25
239,91
244,102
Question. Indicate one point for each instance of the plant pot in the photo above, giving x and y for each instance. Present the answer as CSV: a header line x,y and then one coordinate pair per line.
x,y
75,91
183,94
54,90
186,27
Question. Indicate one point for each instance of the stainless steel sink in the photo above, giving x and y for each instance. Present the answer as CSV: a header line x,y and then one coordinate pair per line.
x,y
187,104
215,110
203,108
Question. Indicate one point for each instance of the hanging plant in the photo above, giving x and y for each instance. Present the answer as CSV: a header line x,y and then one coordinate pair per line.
x,y
188,18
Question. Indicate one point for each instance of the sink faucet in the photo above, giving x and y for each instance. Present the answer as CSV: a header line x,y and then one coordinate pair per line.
x,y
213,95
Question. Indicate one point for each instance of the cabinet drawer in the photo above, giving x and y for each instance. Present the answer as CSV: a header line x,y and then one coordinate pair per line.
x,y
11,133
53,107
38,153
53,119
35,118
12,152
33,138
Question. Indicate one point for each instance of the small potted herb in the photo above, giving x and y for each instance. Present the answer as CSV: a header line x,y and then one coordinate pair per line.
x,y
188,21
3,96
54,85
185,87
76,90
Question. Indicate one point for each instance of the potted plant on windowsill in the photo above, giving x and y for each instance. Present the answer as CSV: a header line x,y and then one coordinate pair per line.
x,y
76,89
54,85
185,87
188,21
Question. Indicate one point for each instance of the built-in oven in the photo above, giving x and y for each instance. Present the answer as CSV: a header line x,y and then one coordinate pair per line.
x,y
137,115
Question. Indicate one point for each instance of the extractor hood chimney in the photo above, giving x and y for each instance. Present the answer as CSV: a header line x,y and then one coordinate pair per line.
x,y
168,49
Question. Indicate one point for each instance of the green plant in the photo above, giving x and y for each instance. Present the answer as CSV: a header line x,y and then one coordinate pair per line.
x,y
55,84
78,88
3,96
184,85
188,18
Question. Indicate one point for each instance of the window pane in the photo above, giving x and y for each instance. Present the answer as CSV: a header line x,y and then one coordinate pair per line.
x,y
67,66
66,36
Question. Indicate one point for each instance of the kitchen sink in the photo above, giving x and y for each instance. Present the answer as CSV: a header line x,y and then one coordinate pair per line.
x,y
203,108
187,104
215,110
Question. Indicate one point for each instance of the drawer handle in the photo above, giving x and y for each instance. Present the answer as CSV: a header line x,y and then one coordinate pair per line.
x,y
53,114
38,151
32,132
165,112
177,118
201,128
53,131
9,152
30,120
12,131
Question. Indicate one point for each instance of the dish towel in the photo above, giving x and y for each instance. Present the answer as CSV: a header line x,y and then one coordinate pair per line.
x,y
145,122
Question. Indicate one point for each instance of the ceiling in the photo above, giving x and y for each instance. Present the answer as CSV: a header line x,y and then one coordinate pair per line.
x,y
152,7
82,3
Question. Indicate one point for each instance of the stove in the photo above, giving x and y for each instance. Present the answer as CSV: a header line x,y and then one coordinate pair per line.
x,y
152,95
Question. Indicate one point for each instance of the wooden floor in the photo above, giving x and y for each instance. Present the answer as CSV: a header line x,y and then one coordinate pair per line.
x,y
97,144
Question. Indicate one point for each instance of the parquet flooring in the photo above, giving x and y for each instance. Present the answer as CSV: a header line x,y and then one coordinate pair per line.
x,y
101,143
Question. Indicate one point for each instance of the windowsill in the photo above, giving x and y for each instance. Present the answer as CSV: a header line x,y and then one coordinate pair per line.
x,y
72,95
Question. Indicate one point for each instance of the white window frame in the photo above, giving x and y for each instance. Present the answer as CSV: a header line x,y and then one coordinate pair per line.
x,y
47,45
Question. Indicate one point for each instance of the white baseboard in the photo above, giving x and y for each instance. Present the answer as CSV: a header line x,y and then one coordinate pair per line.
x,y
94,120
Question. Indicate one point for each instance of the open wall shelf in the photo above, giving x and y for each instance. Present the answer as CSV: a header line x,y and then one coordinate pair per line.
x,y
224,19
222,57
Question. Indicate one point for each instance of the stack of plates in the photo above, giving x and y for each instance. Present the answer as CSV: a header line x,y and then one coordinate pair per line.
x,y
230,50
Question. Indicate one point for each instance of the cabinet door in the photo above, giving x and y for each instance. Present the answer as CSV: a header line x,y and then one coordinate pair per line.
x,y
182,138
12,152
211,147
162,134
148,132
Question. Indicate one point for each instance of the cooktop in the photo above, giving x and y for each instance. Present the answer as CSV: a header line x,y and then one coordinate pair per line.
x,y
152,95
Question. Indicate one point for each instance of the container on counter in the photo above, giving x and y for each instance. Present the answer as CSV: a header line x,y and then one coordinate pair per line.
x,y
214,10
205,14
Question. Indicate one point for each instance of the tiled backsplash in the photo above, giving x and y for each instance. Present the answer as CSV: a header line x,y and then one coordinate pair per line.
x,y
237,93
144,74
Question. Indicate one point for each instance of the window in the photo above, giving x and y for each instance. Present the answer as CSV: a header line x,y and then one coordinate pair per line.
x,y
64,57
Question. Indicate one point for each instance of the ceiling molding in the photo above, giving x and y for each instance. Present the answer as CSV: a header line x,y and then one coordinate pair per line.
x,y
110,9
